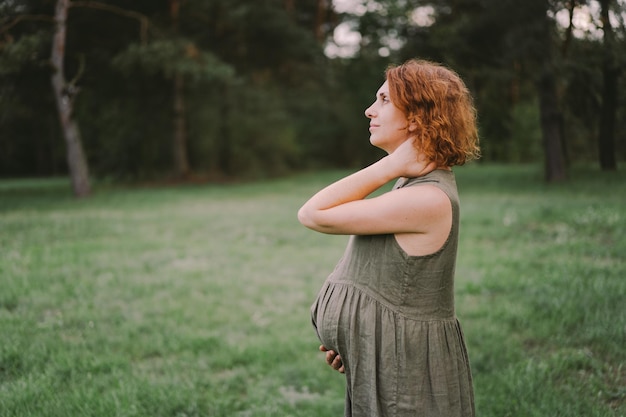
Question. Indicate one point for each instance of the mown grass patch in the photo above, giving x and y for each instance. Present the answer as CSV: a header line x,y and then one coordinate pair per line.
x,y
194,301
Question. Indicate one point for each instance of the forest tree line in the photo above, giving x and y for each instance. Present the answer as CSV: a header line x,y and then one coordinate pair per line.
x,y
144,89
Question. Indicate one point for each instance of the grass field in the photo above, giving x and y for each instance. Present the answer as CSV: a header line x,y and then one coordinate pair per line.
x,y
194,301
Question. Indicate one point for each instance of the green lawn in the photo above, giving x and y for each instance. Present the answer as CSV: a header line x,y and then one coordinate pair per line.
x,y
194,301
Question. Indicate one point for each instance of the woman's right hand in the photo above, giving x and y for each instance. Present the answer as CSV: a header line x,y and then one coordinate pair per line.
x,y
333,359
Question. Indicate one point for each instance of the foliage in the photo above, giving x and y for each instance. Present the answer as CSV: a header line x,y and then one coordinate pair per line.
x,y
163,301
17,55
289,106
497,48
169,57
254,56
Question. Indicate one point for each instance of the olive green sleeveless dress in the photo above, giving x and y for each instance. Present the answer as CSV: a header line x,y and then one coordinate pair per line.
x,y
391,318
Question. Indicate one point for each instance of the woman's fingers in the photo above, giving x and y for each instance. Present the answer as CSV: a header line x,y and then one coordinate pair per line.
x,y
333,359
338,364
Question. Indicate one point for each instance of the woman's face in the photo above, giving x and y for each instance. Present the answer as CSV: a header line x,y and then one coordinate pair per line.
x,y
388,125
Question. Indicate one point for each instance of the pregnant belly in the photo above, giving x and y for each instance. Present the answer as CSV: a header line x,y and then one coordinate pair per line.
x,y
326,314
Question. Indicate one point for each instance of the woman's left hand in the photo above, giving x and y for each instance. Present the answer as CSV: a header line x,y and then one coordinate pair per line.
x,y
409,161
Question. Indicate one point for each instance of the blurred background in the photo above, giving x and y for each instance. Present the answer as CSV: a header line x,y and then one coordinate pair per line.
x,y
218,89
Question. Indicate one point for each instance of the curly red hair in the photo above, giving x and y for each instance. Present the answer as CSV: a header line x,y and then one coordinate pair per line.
x,y
440,108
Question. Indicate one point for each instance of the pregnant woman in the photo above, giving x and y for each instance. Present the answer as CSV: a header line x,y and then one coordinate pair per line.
x,y
385,316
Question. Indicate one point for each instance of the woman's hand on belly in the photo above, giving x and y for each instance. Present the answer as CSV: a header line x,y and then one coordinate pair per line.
x,y
333,359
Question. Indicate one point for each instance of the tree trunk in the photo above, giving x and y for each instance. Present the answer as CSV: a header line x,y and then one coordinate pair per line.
x,y
551,126
181,157
224,142
64,95
290,7
551,116
610,72
320,20
181,160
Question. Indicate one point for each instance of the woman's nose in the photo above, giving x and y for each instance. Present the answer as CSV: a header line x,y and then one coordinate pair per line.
x,y
369,112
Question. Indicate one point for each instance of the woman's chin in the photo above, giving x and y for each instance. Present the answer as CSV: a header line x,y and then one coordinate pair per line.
x,y
381,146
378,143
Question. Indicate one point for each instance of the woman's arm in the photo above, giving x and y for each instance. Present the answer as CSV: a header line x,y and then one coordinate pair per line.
x,y
342,207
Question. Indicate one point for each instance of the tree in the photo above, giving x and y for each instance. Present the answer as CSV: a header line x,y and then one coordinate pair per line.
x,y
610,74
181,159
549,101
64,93
234,87
498,46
